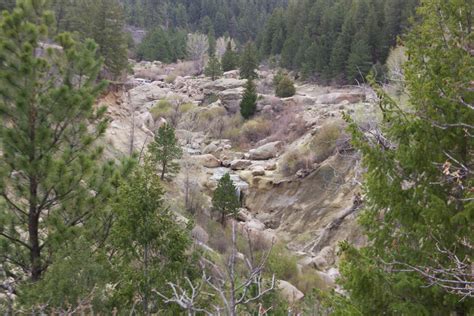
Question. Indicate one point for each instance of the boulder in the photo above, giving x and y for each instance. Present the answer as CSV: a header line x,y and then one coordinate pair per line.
x,y
210,149
144,94
231,74
271,166
267,151
254,225
289,291
224,84
208,161
258,171
231,99
240,164
339,97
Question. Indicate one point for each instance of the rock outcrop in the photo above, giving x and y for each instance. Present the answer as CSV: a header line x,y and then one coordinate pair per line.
x,y
267,151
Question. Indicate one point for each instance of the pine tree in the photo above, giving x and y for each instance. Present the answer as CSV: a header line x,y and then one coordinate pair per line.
x,y
152,248
248,62
248,105
104,22
230,58
164,149
213,68
418,212
224,199
49,164
359,61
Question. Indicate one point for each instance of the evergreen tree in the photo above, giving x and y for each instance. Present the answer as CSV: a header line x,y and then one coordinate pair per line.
x,y
7,5
163,45
359,61
284,87
248,62
213,68
248,105
164,149
104,22
419,209
49,164
152,248
230,58
224,199
212,43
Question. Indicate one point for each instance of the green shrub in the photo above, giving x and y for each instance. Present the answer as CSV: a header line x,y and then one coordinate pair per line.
x,y
308,280
256,129
186,107
170,78
324,142
162,109
282,263
211,98
285,87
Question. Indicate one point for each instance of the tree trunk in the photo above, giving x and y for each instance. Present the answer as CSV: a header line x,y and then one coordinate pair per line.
x,y
145,272
33,227
163,170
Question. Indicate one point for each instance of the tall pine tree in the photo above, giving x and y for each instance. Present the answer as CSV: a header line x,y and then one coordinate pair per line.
x,y
51,178
248,62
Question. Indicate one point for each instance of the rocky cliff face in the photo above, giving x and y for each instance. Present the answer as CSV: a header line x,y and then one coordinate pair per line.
x,y
292,164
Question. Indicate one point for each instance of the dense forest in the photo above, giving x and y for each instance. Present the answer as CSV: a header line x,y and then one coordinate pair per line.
x,y
239,19
330,41
340,39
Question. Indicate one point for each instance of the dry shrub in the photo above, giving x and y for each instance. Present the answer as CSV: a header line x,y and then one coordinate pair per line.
x,y
233,124
185,68
195,202
308,280
207,116
170,78
295,160
324,142
147,73
162,109
255,130
218,238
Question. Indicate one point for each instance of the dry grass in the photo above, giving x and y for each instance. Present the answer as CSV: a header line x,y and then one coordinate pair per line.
x,y
324,143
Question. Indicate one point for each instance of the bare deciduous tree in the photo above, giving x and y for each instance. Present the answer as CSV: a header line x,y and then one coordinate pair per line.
x,y
456,277
197,47
221,45
230,289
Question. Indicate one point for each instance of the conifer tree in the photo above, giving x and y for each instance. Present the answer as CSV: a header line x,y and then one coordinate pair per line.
x,y
248,105
104,22
213,68
230,58
49,165
359,61
164,149
248,62
419,209
224,199
152,247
